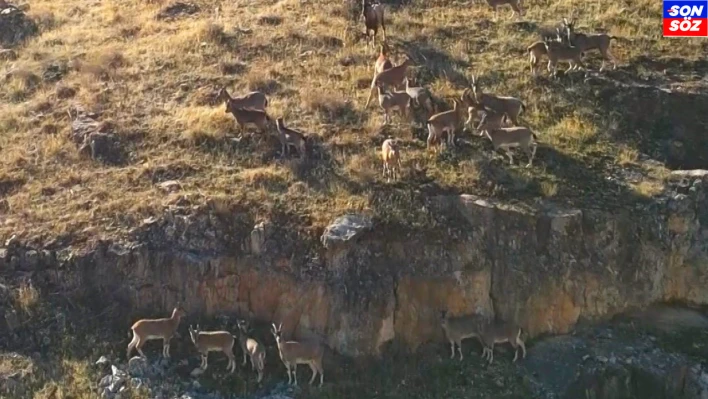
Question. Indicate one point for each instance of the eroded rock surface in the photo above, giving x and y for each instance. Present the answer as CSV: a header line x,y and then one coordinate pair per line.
x,y
546,268
603,363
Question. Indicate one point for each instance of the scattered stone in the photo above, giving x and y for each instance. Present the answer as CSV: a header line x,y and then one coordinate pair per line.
x,y
83,125
197,372
170,186
102,147
12,241
177,9
7,55
105,381
53,73
346,228
137,366
601,359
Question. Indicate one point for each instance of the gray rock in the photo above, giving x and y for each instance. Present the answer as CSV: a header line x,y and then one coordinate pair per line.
x,y
170,186
118,372
102,361
258,238
102,147
11,320
82,126
137,382
15,26
105,381
346,228
138,367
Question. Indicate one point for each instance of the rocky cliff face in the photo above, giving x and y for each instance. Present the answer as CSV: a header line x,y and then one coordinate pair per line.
x,y
547,268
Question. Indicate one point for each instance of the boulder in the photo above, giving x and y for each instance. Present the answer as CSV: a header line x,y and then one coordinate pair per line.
x,y
138,367
346,228
102,147
15,26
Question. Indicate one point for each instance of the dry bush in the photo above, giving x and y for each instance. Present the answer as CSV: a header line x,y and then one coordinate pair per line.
x,y
331,106
211,32
23,83
45,20
232,67
549,189
648,188
199,123
627,156
26,297
101,64
271,20
365,167
270,178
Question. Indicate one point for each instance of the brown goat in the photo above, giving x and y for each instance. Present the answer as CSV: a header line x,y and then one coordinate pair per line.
x,y
512,106
391,77
600,42
444,122
291,138
536,51
382,63
251,347
391,155
558,50
249,116
254,99
500,332
373,19
515,6
293,353
149,329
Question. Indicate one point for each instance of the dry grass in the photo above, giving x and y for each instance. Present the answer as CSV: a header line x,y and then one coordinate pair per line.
x,y
154,80
26,297
648,188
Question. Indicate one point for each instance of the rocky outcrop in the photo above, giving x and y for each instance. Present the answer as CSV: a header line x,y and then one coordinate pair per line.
x,y
96,139
601,364
15,27
546,268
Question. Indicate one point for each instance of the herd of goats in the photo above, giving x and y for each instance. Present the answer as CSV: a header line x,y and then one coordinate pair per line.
x,y
310,352
499,114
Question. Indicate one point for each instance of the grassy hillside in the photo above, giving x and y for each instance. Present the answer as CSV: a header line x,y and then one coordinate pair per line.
x,y
154,83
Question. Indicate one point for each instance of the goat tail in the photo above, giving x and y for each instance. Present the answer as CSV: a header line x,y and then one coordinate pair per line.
x,y
265,102
535,137
523,106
